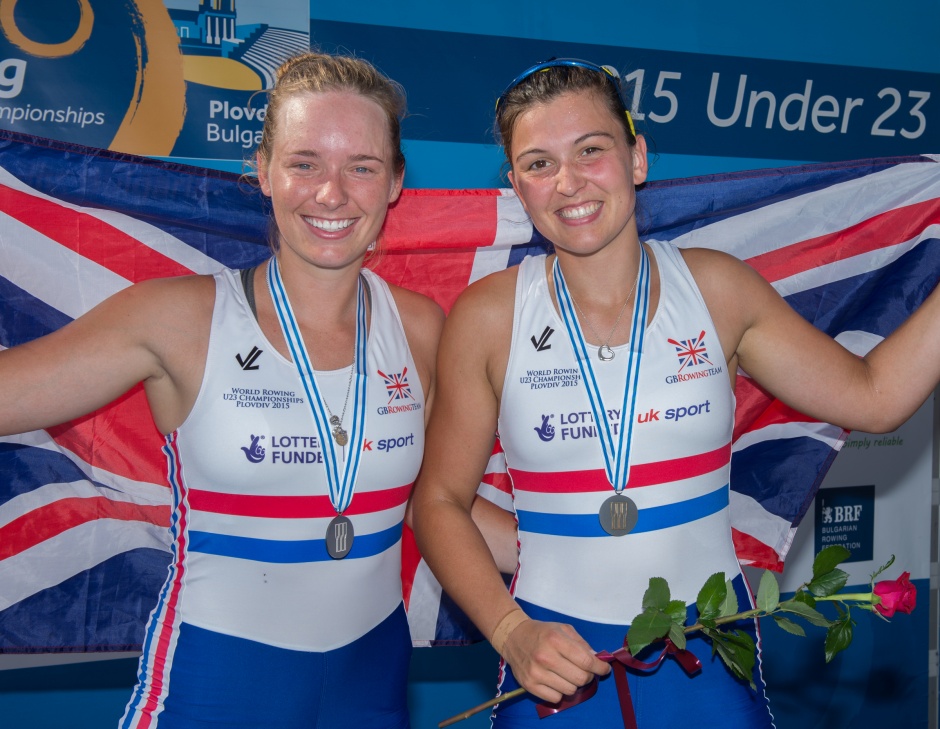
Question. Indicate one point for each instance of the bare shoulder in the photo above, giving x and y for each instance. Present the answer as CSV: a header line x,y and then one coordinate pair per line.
x,y
167,310
417,309
740,301
422,319
709,264
729,286
487,304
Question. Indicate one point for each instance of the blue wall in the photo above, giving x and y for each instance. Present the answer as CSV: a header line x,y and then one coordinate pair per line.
x,y
460,57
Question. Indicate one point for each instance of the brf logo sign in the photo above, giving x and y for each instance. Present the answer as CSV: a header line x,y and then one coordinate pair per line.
x,y
842,514
846,516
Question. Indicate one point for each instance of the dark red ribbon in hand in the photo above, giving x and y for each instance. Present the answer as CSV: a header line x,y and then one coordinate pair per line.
x,y
620,659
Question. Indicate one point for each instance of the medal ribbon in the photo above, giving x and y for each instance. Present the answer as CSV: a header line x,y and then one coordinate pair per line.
x,y
341,481
617,448
620,660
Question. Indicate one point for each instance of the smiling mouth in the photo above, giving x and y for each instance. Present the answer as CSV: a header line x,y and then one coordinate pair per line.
x,y
330,226
581,211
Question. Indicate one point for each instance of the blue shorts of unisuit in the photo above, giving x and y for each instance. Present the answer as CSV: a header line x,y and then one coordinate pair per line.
x,y
665,697
221,681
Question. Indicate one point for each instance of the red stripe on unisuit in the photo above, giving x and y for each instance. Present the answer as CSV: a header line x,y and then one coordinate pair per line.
x,y
169,619
498,480
294,507
90,237
641,474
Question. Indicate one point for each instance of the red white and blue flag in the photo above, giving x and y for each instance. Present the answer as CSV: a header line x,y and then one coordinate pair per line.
x,y
85,506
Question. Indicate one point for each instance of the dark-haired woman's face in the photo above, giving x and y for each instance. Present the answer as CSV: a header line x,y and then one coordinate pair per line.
x,y
575,172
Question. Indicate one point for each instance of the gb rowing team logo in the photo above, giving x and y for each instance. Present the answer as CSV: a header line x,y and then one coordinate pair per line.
x,y
694,363
398,389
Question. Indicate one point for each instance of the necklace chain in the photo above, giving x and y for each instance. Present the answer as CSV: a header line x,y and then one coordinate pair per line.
x,y
339,433
604,352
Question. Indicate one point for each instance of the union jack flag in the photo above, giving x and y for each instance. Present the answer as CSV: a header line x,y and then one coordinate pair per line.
x,y
84,506
397,385
691,351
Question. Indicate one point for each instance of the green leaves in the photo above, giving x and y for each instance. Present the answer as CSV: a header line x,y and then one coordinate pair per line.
x,y
712,596
838,636
657,594
717,604
829,583
659,616
648,627
829,558
768,593
811,615
736,650
789,626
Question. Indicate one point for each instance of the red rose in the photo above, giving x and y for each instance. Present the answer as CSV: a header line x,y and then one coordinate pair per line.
x,y
897,596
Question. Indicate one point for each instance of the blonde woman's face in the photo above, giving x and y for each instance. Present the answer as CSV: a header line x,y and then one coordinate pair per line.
x,y
330,176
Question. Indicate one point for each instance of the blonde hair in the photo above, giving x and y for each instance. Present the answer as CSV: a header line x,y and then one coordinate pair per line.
x,y
318,72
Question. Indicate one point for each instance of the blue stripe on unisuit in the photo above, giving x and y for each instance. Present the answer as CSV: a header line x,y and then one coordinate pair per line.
x,y
650,519
289,552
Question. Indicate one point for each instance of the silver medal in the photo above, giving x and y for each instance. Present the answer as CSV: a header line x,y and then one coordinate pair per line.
x,y
339,537
618,515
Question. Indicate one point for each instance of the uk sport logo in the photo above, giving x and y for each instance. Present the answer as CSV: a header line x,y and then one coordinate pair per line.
x,y
396,384
691,352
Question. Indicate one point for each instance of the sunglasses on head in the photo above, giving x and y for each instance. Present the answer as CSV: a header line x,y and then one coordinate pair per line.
x,y
610,74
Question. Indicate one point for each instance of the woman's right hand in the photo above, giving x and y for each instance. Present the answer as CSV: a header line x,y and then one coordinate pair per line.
x,y
550,660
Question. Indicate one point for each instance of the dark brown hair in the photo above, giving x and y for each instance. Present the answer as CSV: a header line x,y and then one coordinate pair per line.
x,y
547,85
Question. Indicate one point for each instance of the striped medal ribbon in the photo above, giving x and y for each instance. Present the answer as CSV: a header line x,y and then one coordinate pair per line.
x,y
618,514
341,479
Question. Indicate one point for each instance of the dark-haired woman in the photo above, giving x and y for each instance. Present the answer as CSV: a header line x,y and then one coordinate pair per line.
x,y
607,491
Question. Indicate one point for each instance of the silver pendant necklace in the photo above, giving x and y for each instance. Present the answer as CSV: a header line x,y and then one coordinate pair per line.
x,y
605,353
339,433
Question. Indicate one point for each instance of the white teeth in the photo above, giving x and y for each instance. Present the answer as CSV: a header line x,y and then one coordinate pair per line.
x,y
582,211
330,226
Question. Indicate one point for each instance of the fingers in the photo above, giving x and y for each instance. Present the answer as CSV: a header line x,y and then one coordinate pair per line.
x,y
550,660
588,658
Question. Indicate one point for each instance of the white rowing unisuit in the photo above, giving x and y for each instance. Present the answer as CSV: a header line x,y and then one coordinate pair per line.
x,y
680,455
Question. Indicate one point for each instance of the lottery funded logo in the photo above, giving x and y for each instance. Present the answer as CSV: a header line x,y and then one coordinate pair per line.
x,y
694,363
254,452
546,431
575,425
283,449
